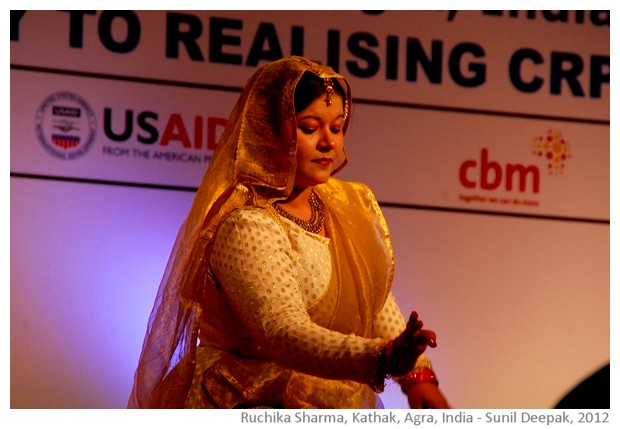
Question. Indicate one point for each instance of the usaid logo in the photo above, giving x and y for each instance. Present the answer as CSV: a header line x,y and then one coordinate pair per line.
x,y
65,125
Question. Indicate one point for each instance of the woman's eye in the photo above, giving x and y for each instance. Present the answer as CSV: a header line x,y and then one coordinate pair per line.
x,y
336,130
306,130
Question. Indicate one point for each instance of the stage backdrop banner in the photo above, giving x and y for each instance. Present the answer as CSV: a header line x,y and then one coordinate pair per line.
x,y
475,110
551,63
484,135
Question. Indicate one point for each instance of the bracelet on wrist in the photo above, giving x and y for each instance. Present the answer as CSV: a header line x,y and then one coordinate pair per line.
x,y
382,372
417,376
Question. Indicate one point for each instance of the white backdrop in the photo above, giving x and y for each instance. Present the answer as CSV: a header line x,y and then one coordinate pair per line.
x,y
515,280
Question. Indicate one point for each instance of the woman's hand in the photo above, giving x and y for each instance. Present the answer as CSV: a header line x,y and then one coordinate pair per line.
x,y
426,395
409,345
406,349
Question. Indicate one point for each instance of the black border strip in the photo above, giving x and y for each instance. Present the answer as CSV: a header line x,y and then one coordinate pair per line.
x,y
176,83
382,204
103,182
483,112
495,213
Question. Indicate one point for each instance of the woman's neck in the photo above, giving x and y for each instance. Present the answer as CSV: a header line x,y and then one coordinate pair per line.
x,y
298,203
299,197
307,211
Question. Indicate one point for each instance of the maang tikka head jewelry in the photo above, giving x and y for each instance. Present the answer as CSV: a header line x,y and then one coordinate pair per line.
x,y
329,91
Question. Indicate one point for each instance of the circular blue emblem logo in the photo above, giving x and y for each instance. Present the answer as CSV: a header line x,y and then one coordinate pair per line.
x,y
65,125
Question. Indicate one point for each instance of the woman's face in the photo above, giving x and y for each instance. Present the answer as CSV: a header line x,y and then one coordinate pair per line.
x,y
320,141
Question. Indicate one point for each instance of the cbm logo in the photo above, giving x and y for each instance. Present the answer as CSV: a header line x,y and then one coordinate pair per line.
x,y
488,174
65,125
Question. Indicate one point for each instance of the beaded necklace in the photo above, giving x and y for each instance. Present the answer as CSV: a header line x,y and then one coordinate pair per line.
x,y
315,224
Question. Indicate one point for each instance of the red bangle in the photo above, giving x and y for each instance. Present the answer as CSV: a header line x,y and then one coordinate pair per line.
x,y
417,376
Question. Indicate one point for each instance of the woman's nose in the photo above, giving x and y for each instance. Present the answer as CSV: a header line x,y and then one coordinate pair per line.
x,y
327,141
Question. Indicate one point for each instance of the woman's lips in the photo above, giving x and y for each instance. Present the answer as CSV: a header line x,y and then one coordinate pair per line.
x,y
325,162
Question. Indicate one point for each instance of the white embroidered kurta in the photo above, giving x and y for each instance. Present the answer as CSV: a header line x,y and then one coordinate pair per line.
x,y
272,272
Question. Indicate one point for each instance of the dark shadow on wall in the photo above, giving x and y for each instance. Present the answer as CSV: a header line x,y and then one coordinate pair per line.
x,y
590,393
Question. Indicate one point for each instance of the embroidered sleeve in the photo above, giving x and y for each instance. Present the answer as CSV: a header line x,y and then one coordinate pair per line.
x,y
255,265
389,323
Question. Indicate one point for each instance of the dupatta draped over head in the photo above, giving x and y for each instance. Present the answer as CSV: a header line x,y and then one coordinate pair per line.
x,y
254,165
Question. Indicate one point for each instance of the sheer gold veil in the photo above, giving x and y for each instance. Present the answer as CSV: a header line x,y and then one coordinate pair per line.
x,y
253,165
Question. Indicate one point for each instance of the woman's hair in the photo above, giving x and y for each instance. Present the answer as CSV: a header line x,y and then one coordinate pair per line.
x,y
310,87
